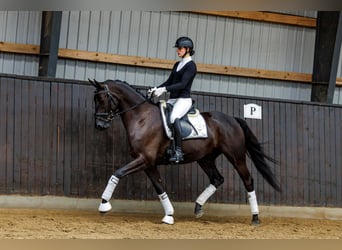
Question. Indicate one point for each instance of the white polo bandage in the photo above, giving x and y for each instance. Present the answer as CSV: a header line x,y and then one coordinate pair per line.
x,y
205,195
111,185
165,201
253,202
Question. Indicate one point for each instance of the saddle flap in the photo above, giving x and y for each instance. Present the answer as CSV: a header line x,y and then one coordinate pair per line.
x,y
193,124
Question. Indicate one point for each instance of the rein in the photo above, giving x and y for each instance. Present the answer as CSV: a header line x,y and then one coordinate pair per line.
x,y
109,116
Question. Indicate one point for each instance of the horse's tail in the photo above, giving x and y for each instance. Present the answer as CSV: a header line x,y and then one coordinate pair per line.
x,y
256,153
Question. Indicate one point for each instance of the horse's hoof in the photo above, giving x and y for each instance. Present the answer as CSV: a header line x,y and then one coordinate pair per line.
x,y
198,211
105,207
168,219
199,214
255,220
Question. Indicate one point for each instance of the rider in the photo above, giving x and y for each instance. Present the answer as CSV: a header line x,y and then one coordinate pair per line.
x,y
179,85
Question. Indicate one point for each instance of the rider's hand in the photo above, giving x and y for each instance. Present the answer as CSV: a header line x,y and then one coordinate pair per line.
x,y
159,91
150,91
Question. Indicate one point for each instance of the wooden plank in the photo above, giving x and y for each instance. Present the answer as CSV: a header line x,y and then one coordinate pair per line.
x,y
31,137
167,64
306,157
39,164
299,161
3,135
291,146
283,153
17,136
67,173
10,135
277,148
53,135
25,142
291,157
19,48
338,149
83,112
312,151
90,190
46,138
60,139
74,140
263,16
330,144
322,156
316,199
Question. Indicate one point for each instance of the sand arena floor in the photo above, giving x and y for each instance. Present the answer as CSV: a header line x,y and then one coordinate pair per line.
x,y
78,224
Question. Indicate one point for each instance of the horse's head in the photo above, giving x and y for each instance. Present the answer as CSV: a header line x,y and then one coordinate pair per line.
x,y
106,104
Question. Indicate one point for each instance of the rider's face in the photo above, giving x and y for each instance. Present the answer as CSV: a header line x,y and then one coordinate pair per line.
x,y
181,51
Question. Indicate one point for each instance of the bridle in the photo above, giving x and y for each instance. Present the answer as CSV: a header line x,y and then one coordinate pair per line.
x,y
109,116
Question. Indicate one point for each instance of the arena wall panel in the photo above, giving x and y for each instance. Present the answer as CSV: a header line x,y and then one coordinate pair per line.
x,y
49,146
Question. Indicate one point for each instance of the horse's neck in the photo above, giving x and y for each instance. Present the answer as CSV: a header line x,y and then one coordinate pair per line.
x,y
128,97
141,116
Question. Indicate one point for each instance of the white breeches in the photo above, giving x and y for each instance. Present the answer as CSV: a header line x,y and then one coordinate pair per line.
x,y
180,107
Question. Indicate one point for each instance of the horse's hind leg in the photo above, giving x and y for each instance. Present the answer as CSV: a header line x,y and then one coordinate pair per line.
x,y
216,179
154,176
247,180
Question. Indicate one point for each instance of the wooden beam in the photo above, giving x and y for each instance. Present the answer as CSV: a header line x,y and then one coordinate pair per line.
x,y
262,16
161,63
167,64
17,48
117,59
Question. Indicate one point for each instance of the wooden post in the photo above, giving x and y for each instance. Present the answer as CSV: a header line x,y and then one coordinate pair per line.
x,y
49,43
327,53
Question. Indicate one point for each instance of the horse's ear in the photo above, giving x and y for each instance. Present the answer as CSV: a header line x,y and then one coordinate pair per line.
x,y
92,83
95,83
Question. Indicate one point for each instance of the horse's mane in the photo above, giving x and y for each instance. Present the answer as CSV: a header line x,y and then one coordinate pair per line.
x,y
150,100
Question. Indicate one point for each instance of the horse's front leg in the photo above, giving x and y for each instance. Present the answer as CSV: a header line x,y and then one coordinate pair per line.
x,y
154,175
134,166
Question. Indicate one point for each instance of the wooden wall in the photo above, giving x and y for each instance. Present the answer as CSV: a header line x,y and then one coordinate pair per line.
x,y
49,146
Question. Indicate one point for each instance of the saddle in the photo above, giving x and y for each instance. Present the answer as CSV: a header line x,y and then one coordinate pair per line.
x,y
193,124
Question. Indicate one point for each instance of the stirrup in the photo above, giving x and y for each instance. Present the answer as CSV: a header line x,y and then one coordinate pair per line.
x,y
177,157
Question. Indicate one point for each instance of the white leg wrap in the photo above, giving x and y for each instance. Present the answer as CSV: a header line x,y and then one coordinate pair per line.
x,y
108,192
205,195
253,202
168,208
165,201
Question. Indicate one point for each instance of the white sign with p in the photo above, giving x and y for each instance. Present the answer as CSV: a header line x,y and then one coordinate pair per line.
x,y
252,110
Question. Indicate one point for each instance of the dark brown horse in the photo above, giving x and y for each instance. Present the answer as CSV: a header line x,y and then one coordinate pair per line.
x,y
148,145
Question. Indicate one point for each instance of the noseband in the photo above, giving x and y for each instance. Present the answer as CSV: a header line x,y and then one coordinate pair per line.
x,y
109,116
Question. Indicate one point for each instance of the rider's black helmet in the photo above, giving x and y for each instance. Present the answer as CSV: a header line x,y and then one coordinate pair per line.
x,y
185,42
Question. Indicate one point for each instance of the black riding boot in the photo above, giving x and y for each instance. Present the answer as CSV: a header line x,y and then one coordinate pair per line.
x,y
177,137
